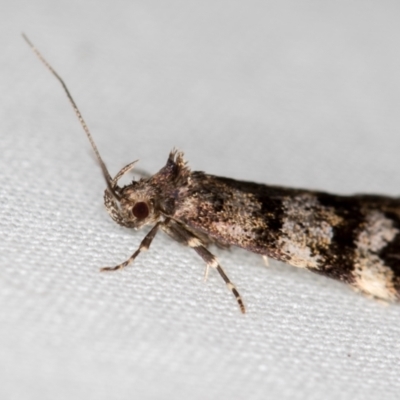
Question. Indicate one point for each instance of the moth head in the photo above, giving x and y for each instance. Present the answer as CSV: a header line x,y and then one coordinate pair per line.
x,y
131,206
145,201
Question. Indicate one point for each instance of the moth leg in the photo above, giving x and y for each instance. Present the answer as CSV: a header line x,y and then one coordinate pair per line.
x,y
144,245
184,236
212,261
206,271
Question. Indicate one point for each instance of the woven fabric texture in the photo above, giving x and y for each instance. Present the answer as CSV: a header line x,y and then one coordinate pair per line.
x,y
302,94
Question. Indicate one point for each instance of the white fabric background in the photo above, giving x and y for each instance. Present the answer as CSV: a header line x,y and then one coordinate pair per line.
x,y
303,94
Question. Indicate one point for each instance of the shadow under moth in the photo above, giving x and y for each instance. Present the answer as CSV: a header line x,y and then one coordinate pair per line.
x,y
354,239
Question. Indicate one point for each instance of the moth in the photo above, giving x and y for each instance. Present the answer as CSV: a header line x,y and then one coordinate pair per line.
x,y
354,239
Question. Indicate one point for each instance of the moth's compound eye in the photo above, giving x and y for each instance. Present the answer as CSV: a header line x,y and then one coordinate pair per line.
x,y
140,210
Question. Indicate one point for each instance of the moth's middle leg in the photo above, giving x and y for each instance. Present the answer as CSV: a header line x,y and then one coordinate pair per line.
x,y
184,236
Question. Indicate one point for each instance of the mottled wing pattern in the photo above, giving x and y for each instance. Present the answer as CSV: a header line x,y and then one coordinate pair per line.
x,y
355,239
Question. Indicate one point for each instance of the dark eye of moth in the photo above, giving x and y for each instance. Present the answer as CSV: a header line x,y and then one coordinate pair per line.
x,y
140,210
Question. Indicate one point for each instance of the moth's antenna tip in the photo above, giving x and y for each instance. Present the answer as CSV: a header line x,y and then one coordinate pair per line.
x,y
26,39
77,112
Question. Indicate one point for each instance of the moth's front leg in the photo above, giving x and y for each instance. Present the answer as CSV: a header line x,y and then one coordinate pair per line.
x,y
144,245
184,236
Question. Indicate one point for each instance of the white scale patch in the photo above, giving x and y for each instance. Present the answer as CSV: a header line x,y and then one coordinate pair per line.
x,y
372,275
236,232
305,227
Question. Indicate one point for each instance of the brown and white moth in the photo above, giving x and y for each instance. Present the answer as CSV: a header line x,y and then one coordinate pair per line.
x,y
354,239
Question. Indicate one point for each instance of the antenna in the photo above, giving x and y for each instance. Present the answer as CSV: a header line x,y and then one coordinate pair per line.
x,y
110,183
